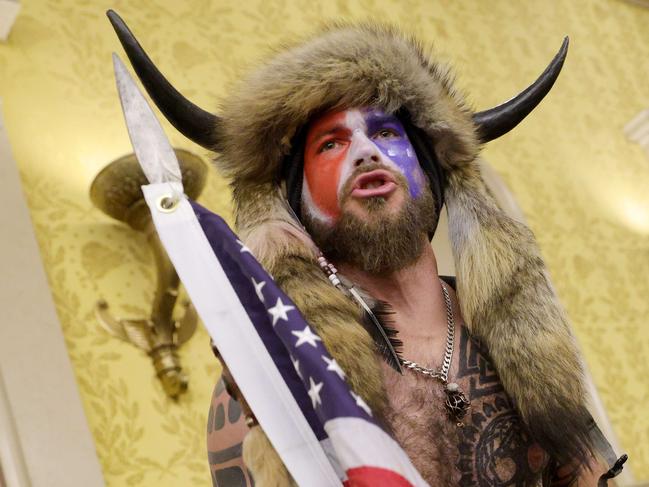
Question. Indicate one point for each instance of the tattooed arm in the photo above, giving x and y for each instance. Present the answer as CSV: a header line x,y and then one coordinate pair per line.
x,y
579,475
226,428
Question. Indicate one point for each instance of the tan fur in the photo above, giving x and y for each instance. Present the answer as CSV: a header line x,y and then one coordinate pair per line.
x,y
508,301
264,463
263,221
336,319
506,297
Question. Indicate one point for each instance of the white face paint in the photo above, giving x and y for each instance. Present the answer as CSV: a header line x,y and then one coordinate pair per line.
x,y
339,143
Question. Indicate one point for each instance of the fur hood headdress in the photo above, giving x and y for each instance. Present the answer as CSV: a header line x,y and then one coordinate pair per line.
x,y
504,291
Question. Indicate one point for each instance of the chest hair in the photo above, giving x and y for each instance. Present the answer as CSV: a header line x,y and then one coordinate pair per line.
x,y
491,450
419,423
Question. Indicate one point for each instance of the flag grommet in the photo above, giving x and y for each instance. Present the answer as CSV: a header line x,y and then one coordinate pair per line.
x,y
167,204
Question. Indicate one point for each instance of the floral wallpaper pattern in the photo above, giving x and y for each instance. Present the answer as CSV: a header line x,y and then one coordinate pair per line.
x,y
580,183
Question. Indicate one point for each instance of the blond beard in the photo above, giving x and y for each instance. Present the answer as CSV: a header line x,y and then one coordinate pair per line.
x,y
378,243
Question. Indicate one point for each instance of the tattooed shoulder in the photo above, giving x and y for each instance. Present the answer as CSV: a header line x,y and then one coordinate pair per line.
x,y
226,429
565,476
494,448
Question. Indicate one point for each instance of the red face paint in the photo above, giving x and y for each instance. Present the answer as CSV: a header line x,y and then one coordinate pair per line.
x,y
337,142
326,147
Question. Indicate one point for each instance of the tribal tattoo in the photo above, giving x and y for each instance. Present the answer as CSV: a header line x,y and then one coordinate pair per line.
x,y
494,448
226,426
566,476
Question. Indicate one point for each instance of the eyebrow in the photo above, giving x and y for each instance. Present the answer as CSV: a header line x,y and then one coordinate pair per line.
x,y
381,119
321,133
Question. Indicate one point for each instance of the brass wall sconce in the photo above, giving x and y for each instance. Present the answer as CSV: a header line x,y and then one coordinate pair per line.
x,y
117,192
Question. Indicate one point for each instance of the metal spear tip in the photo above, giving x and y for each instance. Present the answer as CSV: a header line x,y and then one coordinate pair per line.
x,y
150,144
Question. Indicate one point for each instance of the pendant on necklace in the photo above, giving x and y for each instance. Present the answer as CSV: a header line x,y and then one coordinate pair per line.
x,y
457,405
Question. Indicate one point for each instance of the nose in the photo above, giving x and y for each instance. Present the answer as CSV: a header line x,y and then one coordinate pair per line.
x,y
364,150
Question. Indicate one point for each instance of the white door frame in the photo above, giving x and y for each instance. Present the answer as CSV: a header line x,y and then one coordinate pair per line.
x,y
44,436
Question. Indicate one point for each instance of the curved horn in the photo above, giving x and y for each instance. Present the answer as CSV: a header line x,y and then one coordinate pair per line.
x,y
499,120
191,120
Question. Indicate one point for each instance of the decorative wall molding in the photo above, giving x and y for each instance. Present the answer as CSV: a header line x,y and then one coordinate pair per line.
x,y
637,130
44,436
13,472
8,12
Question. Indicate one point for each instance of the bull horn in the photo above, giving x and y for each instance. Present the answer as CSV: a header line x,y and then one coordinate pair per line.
x,y
191,120
499,120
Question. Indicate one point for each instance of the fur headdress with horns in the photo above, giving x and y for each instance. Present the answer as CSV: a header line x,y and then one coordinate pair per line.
x,y
504,291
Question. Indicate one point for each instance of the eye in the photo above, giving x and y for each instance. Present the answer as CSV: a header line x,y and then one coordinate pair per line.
x,y
328,145
385,134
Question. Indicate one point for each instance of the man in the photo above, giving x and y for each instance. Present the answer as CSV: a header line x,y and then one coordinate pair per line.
x,y
366,139
368,206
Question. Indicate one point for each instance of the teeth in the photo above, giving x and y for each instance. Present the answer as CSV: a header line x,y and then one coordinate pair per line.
x,y
373,184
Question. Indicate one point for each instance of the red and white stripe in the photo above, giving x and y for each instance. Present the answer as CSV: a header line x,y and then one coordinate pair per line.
x,y
369,456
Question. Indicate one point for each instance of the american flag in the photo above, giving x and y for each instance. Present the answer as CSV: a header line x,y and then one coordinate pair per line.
x,y
358,450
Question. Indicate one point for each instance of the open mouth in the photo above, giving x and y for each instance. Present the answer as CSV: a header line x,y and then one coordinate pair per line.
x,y
373,183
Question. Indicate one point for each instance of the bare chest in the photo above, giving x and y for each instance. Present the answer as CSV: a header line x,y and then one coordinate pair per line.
x,y
491,448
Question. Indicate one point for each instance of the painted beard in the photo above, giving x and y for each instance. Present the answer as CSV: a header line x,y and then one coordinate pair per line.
x,y
380,243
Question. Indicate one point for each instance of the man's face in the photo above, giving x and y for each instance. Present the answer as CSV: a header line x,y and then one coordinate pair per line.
x,y
353,157
365,199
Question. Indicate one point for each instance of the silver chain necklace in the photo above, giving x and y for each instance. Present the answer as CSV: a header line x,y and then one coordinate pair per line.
x,y
456,403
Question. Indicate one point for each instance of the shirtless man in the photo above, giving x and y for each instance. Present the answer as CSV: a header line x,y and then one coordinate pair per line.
x,y
366,137
491,448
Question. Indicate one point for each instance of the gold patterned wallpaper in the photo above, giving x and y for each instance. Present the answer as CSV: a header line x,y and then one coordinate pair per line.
x,y
582,185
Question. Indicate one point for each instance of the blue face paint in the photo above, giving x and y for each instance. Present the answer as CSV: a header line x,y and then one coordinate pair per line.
x,y
337,140
387,133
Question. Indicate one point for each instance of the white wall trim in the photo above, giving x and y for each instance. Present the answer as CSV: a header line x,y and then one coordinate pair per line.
x,y
44,436
12,465
637,130
8,12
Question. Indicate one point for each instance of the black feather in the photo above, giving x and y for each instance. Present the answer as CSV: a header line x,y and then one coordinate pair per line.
x,y
379,323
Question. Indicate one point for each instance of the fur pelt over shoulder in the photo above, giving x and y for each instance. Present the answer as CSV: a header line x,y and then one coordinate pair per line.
x,y
504,291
